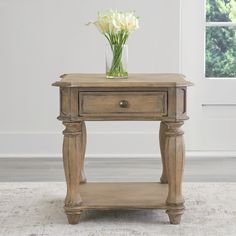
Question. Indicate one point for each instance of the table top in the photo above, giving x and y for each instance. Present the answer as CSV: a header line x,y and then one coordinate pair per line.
x,y
134,80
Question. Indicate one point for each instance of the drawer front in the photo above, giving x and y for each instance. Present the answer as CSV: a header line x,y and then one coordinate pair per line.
x,y
123,103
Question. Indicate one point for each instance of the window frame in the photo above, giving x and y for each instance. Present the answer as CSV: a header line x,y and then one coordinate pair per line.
x,y
214,24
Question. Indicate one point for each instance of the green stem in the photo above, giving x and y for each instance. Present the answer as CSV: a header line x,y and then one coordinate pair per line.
x,y
116,43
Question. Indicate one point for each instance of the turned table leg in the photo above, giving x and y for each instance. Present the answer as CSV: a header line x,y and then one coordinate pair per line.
x,y
84,140
73,158
174,156
162,140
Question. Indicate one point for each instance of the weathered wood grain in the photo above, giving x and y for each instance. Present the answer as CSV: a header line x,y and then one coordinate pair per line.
x,y
136,104
174,157
162,141
134,80
73,158
140,97
84,141
139,195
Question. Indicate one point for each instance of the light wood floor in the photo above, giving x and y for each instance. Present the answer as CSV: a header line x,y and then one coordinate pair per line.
x,y
116,169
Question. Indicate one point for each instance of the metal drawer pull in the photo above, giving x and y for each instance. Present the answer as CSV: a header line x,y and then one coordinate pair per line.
x,y
123,104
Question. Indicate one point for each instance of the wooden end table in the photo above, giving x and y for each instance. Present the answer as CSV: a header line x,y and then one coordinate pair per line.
x,y
160,97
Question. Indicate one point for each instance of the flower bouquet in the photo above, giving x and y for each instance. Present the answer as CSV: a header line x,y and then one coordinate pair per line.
x,y
116,26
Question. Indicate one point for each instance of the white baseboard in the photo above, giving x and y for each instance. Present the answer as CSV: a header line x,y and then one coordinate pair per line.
x,y
189,154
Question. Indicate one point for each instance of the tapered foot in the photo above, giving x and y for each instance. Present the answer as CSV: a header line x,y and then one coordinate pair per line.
x,y
73,219
175,213
175,219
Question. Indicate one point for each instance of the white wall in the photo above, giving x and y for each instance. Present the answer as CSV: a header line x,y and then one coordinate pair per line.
x,y
42,39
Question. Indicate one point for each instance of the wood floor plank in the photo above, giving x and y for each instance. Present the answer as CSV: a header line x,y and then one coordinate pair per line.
x,y
116,169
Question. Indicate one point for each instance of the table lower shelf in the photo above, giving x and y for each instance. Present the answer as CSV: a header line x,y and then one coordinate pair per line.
x,y
125,195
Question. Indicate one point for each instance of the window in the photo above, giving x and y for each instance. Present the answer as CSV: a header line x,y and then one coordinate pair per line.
x,y
220,39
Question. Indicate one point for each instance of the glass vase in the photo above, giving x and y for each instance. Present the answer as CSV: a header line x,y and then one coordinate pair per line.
x,y
116,61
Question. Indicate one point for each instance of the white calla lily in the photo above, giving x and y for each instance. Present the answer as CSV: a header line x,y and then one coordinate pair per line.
x,y
116,21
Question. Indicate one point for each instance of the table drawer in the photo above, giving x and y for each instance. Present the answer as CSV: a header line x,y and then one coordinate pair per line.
x,y
123,103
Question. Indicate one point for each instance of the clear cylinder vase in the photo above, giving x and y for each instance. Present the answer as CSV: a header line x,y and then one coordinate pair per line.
x,y
116,61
